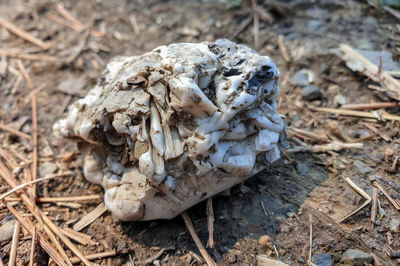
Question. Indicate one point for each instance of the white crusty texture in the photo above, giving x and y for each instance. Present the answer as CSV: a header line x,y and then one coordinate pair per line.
x,y
168,129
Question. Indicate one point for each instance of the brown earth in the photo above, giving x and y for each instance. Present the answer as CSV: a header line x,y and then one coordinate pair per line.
x,y
301,185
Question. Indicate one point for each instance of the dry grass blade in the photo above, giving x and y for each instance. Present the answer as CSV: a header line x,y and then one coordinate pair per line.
x,y
7,176
77,24
15,132
210,222
374,205
23,34
203,251
282,49
362,193
334,146
52,176
356,113
395,204
310,225
96,256
90,217
370,106
32,57
68,199
28,225
33,244
34,125
14,244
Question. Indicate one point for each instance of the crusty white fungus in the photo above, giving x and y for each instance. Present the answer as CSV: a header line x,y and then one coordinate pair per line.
x,y
170,128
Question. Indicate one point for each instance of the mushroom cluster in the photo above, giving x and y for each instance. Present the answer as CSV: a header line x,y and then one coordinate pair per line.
x,y
172,127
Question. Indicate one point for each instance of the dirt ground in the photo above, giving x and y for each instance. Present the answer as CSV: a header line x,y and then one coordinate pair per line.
x,y
279,201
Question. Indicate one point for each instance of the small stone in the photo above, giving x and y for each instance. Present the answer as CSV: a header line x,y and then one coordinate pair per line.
x,y
264,241
337,256
322,259
156,263
363,168
395,225
47,168
302,168
314,24
356,257
339,100
311,92
6,231
303,77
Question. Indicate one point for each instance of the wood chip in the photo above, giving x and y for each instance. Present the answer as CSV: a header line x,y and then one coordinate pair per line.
x,y
90,217
263,260
362,193
374,205
357,62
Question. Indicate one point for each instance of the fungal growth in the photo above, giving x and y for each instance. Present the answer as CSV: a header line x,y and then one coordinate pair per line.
x,y
172,127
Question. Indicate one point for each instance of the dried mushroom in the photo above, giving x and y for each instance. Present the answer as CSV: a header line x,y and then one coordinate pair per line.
x,y
170,128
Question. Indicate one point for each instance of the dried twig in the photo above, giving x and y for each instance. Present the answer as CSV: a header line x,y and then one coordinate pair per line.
x,y
32,57
283,49
77,236
362,193
153,258
356,113
357,62
370,106
318,137
28,225
7,176
77,24
67,199
395,204
90,217
310,225
23,34
334,146
15,132
256,24
95,256
263,208
378,132
134,24
52,176
196,239
374,205
210,222
34,125
14,244
33,244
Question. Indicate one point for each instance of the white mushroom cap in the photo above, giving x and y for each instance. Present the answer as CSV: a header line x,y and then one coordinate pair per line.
x,y
167,129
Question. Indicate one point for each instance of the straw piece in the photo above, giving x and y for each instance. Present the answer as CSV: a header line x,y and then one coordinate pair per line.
x,y
210,222
32,57
203,251
356,113
28,225
14,244
90,217
23,34
369,106
62,199
96,256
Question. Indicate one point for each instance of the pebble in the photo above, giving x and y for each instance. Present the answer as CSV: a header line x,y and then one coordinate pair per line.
x,y
302,168
314,24
356,257
322,259
6,231
47,168
339,100
303,77
311,92
363,168
395,225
